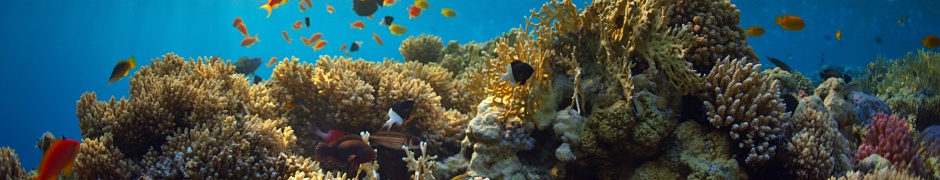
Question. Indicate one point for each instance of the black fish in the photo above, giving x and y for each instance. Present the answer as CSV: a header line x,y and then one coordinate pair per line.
x,y
517,72
833,73
387,21
307,21
257,79
791,102
349,149
355,46
878,40
780,64
247,65
366,7
398,113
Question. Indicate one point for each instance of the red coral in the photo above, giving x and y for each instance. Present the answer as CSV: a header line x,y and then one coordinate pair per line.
x,y
890,137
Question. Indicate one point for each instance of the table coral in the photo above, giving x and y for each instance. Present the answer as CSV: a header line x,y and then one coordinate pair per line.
x,y
424,49
890,137
188,119
739,97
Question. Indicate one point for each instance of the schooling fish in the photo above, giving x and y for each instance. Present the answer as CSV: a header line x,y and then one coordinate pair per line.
x,y
247,65
58,159
517,72
780,64
271,5
349,149
121,69
387,21
398,113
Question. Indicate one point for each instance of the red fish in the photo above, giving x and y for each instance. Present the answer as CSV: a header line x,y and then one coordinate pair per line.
x,y
342,47
297,25
377,38
272,61
238,20
358,25
248,41
58,158
331,136
306,41
271,5
284,33
414,12
349,149
313,39
320,45
242,29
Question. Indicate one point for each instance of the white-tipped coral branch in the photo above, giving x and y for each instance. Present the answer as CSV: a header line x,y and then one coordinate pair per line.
x,y
423,166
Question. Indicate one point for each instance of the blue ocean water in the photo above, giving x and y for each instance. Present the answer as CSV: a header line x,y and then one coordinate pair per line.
x,y
53,51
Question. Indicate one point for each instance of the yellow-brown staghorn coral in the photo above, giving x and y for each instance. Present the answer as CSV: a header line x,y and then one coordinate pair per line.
x,y
424,49
909,85
10,164
714,25
741,99
188,119
423,166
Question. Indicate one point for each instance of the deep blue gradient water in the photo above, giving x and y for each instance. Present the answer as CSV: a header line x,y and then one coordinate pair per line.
x,y
53,51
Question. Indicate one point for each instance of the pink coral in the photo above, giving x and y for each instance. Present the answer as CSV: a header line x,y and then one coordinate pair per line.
x,y
890,137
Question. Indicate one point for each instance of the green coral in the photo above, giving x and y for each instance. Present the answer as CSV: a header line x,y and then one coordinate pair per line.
x,y
909,85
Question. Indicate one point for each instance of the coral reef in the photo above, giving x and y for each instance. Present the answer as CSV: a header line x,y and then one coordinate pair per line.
x,y
928,148
867,106
738,97
790,82
714,24
817,149
909,85
883,173
835,95
10,164
495,145
890,137
423,166
424,49
694,153
188,119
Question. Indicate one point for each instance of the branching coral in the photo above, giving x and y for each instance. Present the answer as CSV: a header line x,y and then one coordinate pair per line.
x,y
423,166
188,119
10,164
714,26
739,97
424,49
816,149
883,173
890,137
909,85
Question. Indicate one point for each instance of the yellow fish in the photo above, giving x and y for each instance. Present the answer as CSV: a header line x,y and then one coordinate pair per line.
x,y
839,35
447,12
397,29
423,4
121,69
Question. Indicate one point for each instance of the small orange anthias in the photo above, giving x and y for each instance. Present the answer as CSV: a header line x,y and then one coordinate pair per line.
x,y
414,12
790,22
58,159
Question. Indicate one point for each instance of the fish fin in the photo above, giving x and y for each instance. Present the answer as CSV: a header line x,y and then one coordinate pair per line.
x,y
133,61
267,8
779,19
256,38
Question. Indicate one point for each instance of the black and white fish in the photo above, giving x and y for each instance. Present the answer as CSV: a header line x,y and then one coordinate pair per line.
x,y
517,72
398,113
387,21
355,46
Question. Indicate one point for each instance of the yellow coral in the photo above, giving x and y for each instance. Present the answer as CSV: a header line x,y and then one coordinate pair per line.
x,y
10,164
424,49
98,158
909,85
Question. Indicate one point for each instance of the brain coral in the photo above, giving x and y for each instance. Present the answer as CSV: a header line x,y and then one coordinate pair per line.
x,y
890,137
425,48
188,119
739,97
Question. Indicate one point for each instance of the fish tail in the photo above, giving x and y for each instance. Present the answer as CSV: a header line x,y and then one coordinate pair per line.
x,y
267,8
256,38
779,19
132,61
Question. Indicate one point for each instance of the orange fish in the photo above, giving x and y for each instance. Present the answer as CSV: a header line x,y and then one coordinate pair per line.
x,y
755,31
271,5
377,38
414,12
272,61
320,45
931,41
315,37
242,29
342,47
330,9
388,2
238,20
790,22
248,41
309,4
213,60
305,41
297,25
284,33
302,7
358,25
58,159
